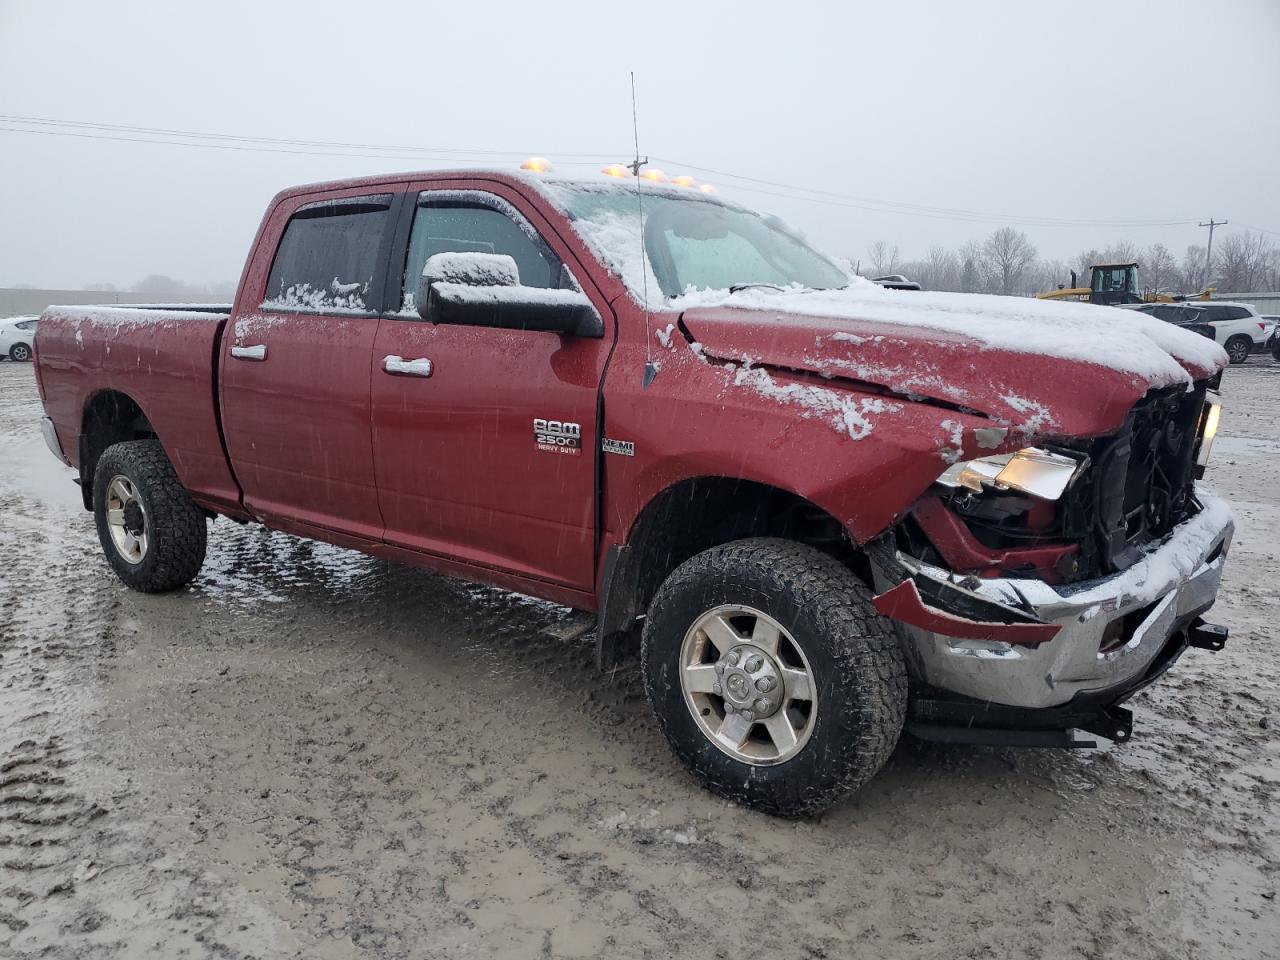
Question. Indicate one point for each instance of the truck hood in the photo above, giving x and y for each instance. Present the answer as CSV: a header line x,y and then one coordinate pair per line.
x,y
1040,367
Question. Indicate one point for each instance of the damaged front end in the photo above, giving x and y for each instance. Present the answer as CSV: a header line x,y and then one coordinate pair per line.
x,y
1037,590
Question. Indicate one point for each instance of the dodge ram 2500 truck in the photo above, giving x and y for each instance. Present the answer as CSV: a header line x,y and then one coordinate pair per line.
x,y
821,511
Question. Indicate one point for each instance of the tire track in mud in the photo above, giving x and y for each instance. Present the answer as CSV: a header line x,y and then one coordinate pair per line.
x,y
50,645
314,754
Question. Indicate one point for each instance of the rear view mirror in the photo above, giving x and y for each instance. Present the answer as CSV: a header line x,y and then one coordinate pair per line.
x,y
484,290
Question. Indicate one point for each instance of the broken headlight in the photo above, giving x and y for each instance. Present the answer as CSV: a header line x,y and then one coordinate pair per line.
x,y
1034,471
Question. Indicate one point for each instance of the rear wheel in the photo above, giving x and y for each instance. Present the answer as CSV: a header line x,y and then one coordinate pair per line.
x,y
1238,348
151,532
20,352
771,675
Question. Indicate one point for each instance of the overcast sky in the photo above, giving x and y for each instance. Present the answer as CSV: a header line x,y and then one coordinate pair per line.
x,y
1095,110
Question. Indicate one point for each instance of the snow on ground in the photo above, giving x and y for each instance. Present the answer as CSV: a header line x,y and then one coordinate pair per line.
x,y
312,753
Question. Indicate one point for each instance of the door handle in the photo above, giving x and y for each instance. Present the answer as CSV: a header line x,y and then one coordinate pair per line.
x,y
400,367
256,352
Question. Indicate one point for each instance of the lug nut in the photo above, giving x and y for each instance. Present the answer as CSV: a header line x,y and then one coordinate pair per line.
x,y
762,706
720,667
753,664
717,689
733,658
765,684
728,708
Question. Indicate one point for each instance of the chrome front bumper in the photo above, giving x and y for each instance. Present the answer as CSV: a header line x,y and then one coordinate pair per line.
x,y
1161,593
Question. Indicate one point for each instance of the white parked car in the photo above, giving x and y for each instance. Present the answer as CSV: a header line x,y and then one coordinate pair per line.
x,y
17,334
1237,326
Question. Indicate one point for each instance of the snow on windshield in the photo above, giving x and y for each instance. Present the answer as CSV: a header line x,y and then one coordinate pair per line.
x,y
691,242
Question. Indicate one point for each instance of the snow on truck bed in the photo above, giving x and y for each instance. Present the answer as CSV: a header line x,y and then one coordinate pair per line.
x,y
108,322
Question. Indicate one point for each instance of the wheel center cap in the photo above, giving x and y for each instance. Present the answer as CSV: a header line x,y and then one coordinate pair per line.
x,y
751,681
133,519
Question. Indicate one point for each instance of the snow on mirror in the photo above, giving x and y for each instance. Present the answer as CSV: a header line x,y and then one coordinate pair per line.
x,y
474,269
484,289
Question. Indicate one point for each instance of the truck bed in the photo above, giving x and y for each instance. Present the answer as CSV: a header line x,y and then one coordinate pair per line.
x,y
89,356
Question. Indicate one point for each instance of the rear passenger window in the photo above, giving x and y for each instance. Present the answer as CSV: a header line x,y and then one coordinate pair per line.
x,y
1235,313
444,226
328,257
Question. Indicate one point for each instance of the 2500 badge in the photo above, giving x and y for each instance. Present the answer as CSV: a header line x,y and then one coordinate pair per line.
x,y
558,436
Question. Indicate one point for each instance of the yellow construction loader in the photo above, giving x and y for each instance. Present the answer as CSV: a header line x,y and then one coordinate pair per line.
x,y
1112,283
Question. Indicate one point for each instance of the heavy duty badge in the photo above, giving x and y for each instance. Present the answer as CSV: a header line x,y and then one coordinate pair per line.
x,y
556,436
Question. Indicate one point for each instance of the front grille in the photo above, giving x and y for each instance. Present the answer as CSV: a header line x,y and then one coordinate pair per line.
x,y
1139,483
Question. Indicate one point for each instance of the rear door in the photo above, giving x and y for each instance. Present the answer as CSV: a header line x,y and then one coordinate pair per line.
x,y
296,367
464,453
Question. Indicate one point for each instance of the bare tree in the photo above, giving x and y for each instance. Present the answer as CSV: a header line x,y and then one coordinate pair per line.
x,y
1159,269
1122,252
1084,261
1242,260
971,278
938,271
884,258
1193,278
1008,253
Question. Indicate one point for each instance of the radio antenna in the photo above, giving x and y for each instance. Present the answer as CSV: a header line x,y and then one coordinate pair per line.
x,y
650,368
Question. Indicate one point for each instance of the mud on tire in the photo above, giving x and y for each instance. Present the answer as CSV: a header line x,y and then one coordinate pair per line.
x,y
175,526
856,663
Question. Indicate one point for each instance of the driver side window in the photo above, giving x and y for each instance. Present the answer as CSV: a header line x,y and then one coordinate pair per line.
x,y
474,227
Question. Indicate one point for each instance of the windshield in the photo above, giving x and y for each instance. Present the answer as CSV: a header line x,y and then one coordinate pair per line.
x,y
696,244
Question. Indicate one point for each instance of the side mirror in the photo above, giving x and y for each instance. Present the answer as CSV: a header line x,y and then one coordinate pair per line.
x,y
484,290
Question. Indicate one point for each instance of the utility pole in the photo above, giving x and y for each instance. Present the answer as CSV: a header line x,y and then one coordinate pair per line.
x,y
1208,251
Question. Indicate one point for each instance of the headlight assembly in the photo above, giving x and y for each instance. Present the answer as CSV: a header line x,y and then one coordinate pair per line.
x,y
1032,470
1208,429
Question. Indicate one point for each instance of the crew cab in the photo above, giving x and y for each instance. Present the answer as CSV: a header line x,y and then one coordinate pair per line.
x,y
821,512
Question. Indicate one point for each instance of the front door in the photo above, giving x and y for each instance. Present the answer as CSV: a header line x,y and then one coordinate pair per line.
x,y
296,369
489,454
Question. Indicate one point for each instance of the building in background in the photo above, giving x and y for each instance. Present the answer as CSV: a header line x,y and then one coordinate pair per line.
x,y
22,301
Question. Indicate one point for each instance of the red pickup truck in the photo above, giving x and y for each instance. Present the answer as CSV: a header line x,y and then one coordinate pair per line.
x,y
820,510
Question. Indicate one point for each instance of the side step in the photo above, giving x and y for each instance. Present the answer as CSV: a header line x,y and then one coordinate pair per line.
x,y
993,725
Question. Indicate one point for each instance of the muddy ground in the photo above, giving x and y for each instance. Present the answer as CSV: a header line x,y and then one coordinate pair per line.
x,y
314,754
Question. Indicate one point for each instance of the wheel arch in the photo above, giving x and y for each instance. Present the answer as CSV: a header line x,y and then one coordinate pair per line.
x,y
109,416
1243,338
693,515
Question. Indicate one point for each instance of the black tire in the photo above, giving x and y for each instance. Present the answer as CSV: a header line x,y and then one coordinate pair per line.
x,y
1238,348
854,657
20,353
175,526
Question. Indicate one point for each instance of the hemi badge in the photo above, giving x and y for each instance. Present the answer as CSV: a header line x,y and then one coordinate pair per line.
x,y
624,448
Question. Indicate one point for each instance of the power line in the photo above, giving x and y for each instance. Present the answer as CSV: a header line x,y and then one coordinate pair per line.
x,y
923,209
322,144
47,126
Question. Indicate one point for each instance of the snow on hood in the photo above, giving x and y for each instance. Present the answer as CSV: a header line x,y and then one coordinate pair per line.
x,y
1047,368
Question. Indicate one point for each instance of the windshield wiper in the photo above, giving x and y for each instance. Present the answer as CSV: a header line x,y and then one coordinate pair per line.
x,y
734,288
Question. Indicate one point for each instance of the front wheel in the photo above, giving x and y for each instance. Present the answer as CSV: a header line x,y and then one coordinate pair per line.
x,y
20,352
151,532
1238,348
771,675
